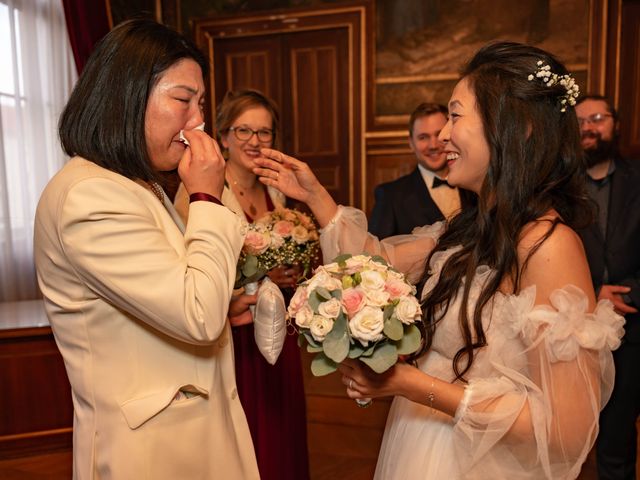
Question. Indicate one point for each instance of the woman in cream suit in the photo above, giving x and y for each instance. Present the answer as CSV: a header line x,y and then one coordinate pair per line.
x,y
138,303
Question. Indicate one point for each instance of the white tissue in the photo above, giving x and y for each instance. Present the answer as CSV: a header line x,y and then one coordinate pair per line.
x,y
182,137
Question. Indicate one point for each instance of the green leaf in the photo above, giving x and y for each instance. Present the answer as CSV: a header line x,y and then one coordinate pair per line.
x,y
312,349
379,259
337,293
310,340
369,350
250,266
411,340
322,293
393,328
341,259
388,311
384,357
336,343
356,350
314,302
321,365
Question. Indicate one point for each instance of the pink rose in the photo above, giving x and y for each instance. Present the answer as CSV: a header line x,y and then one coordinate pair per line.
x,y
283,228
397,288
256,243
297,301
353,300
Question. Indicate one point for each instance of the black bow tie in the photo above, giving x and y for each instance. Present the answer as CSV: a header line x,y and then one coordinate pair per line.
x,y
438,182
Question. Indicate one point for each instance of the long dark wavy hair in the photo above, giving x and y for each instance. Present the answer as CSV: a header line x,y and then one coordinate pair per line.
x,y
536,164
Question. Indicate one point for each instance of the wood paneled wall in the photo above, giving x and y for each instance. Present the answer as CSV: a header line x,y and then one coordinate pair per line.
x,y
36,412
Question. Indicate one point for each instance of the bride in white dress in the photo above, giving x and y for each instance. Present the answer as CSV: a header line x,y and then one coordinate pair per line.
x,y
517,360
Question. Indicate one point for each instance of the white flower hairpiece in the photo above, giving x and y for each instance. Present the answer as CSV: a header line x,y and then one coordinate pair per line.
x,y
549,78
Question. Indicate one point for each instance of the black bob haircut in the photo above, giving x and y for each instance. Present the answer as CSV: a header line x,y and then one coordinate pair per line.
x,y
104,118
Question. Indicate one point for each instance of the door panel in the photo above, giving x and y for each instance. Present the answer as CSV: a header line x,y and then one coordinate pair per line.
x,y
307,74
248,62
315,66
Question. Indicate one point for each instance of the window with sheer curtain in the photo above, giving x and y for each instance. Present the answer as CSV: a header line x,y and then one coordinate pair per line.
x,y
36,78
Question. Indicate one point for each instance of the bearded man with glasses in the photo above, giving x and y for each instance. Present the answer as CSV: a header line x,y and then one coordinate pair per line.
x,y
612,244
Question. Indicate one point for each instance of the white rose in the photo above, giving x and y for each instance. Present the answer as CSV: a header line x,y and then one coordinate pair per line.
x,y
300,234
331,267
330,308
276,240
323,279
378,267
372,280
355,264
393,275
304,316
377,298
320,326
408,310
367,325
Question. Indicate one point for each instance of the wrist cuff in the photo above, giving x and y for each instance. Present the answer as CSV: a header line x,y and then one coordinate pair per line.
x,y
201,196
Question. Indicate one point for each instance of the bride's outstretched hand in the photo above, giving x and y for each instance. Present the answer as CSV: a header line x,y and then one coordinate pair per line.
x,y
296,180
289,175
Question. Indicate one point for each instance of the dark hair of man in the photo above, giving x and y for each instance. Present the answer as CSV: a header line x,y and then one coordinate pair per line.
x,y
602,98
236,102
424,110
535,165
104,119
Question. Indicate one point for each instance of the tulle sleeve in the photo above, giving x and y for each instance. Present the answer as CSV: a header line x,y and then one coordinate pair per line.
x,y
539,414
347,233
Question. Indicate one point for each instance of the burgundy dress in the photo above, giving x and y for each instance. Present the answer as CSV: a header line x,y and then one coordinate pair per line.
x,y
273,400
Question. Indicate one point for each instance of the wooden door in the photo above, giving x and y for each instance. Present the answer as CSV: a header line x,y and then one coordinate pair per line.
x,y
306,74
314,64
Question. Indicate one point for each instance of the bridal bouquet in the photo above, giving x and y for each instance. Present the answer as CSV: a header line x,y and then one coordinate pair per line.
x,y
282,237
356,307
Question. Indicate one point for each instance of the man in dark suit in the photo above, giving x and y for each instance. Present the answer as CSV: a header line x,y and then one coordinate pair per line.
x,y
422,197
612,244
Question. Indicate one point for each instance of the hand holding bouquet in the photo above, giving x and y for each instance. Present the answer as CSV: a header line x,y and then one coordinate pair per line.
x,y
281,237
356,307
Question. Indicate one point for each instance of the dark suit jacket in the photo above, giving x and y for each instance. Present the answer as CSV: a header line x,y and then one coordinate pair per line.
x,y
402,205
620,250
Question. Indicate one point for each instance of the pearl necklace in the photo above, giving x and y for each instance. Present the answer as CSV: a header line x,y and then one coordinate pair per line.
x,y
157,191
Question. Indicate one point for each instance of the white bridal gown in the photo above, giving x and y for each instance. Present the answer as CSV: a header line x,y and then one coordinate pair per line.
x,y
556,359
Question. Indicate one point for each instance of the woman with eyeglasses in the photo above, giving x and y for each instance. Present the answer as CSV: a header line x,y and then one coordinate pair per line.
x,y
272,395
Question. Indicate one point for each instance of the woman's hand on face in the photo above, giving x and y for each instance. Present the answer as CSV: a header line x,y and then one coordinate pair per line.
x,y
289,175
285,276
296,180
201,167
239,313
362,382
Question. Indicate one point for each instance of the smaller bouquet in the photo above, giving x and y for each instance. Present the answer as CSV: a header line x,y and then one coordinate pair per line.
x,y
356,307
281,237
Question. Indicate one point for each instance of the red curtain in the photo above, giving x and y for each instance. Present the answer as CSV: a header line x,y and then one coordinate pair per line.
x,y
87,22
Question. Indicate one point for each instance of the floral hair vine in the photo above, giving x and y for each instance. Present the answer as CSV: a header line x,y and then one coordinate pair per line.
x,y
567,81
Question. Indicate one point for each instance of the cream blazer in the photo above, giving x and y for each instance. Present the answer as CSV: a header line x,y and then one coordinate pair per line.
x,y
138,308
